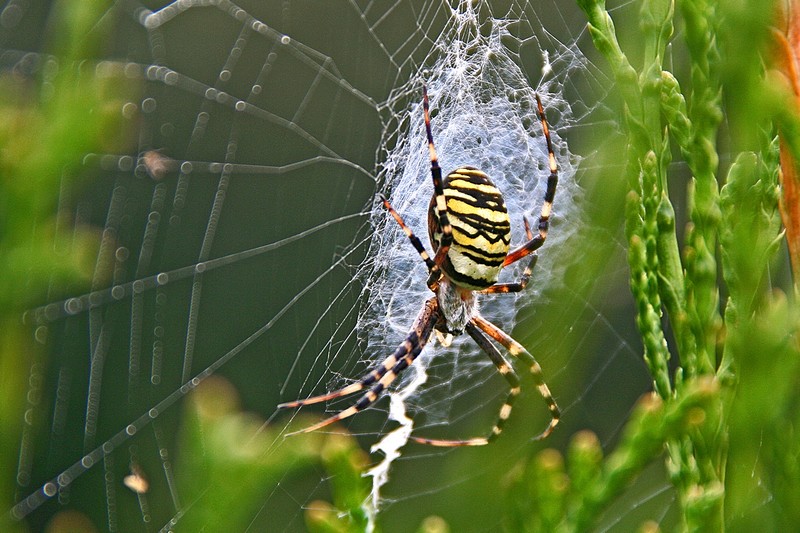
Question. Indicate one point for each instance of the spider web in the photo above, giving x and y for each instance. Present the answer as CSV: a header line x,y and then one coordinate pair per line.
x,y
241,238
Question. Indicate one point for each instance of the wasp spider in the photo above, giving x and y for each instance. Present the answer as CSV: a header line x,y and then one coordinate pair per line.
x,y
470,232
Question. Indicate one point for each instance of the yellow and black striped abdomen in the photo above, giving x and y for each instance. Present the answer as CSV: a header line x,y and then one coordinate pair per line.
x,y
481,229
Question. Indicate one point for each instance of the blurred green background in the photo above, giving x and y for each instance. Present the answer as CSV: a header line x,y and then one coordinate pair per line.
x,y
113,171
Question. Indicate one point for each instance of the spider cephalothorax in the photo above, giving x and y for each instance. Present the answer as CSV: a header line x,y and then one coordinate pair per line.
x,y
470,231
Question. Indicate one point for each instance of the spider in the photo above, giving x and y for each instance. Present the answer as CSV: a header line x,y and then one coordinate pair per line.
x,y
470,231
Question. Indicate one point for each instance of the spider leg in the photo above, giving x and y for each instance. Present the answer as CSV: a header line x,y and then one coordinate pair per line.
x,y
526,274
544,217
384,374
418,246
505,370
517,350
439,198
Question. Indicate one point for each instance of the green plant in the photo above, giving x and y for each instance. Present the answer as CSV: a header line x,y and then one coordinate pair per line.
x,y
723,419
229,460
48,124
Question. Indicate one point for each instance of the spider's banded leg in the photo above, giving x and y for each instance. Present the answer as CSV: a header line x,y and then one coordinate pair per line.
x,y
517,350
526,274
438,191
505,370
552,181
402,358
374,375
418,246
